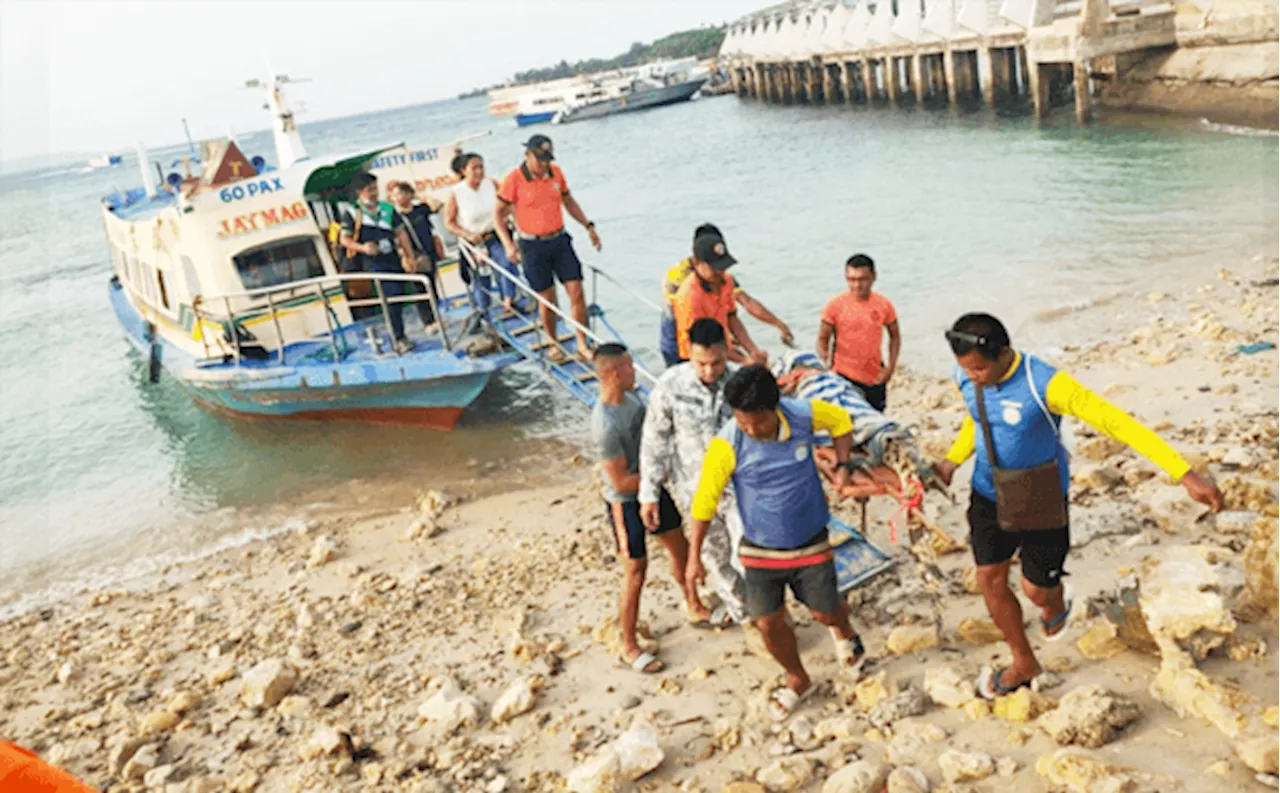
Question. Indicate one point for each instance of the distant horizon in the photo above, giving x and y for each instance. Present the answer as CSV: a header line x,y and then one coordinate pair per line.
x,y
68,85
63,157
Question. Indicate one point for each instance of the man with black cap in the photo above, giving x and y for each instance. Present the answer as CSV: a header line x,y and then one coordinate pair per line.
x,y
536,193
709,293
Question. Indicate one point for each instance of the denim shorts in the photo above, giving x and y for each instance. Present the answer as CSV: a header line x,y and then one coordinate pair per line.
x,y
546,261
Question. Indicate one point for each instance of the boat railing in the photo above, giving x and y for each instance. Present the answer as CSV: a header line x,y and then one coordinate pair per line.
x,y
317,285
474,255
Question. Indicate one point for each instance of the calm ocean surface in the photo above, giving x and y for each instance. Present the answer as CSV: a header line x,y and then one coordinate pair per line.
x,y
961,211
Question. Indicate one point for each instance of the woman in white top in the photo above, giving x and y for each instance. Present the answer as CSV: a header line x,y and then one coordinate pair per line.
x,y
468,214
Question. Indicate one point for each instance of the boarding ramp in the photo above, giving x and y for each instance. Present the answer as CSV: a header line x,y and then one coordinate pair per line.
x,y
857,560
524,333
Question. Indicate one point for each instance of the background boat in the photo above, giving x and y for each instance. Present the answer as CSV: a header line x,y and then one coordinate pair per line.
x,y
641,95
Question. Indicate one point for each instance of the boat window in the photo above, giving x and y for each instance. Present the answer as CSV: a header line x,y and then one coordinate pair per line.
x,y
190,275
278,263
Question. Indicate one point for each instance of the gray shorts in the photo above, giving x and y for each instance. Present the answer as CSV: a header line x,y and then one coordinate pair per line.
x,y
814,586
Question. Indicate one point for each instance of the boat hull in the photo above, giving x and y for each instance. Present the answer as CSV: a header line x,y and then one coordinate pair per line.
x,y
437,404
428,388
529,119
642,100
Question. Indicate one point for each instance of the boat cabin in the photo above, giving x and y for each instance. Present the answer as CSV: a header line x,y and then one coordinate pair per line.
x,y
208,259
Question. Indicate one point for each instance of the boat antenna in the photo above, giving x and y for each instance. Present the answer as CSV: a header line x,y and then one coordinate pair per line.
x,y
187,130
144,166
289,147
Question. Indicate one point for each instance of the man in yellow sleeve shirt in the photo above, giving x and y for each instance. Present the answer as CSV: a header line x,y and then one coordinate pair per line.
x,y
767,453
1015,404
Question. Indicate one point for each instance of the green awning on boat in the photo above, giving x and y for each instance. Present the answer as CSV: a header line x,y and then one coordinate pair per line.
x,y
338,175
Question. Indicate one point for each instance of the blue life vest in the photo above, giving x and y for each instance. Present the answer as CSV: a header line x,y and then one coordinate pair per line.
x,y
1023,430
778,487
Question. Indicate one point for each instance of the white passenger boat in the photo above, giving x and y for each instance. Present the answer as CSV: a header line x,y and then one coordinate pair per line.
x,y
226,280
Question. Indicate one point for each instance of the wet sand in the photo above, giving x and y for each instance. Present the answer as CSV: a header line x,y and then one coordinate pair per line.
x,y
373,610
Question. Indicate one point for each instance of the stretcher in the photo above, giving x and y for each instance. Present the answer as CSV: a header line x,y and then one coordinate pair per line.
x,y
857,560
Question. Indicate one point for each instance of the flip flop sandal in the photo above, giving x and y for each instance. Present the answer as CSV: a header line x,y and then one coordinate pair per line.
x,y
641,663
784,700
720,618
1063,619
990,687
851,654
557,355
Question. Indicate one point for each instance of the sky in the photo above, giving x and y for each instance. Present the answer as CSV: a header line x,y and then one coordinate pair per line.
x,y
100,75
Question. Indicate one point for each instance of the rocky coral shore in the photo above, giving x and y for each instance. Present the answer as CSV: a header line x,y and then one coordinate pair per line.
x,y
462,644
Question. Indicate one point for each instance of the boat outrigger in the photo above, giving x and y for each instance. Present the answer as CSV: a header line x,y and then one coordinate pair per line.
x,y
226,280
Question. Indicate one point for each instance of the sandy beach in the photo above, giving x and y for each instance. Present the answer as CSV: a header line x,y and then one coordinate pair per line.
x,y
457,640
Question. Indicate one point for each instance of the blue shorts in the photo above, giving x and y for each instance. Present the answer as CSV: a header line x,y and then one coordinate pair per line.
x,y
546,261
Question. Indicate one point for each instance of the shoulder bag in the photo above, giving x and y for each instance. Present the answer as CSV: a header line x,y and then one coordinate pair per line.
x,y
1027,499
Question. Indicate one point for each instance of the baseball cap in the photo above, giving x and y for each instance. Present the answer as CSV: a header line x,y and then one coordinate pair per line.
x,y
710,248
540,145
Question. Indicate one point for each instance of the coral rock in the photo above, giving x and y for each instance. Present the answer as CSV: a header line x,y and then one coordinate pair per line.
x,y
979,631
1022,705
786,774
977,709
857,777
324,741
1186,592
638,751
160,721
914,743
946,687
1100,642
322,552
184,701
871,691
1077,771
906,639
146,758
1261,598
268,683
600,774
907,779
903,705
519,698
448,708
1089,716
1261,753
1272,717
1189,692
960,766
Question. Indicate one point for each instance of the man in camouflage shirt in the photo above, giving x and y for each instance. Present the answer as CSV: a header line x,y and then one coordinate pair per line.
x,y
686,409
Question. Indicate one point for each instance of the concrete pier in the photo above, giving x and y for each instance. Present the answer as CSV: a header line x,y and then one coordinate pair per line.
x,y
963,51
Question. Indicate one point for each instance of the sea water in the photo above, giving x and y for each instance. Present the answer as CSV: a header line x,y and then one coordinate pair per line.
x,y
101,470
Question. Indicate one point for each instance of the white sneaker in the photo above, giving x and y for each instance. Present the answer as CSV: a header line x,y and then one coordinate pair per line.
x,y
402,346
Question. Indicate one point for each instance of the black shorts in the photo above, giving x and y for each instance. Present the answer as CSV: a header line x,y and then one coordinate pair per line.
x,y
1042,554
875,394
632,530
545,261
815,586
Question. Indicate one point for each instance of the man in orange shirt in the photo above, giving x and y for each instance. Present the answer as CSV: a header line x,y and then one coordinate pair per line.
x,y
535,193
851,336
709,293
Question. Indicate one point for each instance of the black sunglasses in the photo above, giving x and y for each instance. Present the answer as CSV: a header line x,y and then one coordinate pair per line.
x,y
964,343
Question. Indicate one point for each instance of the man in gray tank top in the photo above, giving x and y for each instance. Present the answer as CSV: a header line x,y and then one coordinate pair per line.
x,y
617,422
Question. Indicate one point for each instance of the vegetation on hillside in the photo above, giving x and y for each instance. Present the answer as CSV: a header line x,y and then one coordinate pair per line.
x,y
699,43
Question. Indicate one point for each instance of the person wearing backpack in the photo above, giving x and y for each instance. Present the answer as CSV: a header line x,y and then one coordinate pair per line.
x,y
369,237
